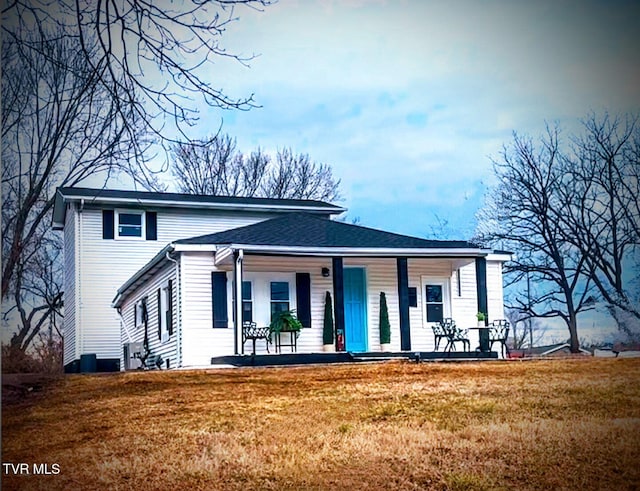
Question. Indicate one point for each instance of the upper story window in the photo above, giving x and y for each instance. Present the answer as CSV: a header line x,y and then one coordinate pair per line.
x,y
130,224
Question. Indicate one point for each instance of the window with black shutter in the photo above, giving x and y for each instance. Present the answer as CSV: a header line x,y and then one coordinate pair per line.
x,y
303,298
107,224
219,299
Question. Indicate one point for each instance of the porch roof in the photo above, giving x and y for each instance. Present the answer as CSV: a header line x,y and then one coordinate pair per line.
x,y
302,230
304,234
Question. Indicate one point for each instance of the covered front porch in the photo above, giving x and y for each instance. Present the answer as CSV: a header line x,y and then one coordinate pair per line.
x,y
284,359
265,284
292,263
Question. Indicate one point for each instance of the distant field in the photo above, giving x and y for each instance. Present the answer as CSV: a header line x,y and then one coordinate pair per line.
x,y
571,424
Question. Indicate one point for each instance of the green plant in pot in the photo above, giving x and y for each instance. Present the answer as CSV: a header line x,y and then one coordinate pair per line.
x,y
481,318
285,321
328,327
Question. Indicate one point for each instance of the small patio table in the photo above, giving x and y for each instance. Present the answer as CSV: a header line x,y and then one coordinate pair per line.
x,y
293,340
483,336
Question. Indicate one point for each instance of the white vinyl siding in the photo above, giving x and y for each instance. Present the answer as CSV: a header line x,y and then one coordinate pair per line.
x,y
495,299
105,265
131,333
419,269
200,341
70,272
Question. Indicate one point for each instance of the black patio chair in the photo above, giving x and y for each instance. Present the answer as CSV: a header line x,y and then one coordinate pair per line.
x,y
438,334
454,334
250,331
498,333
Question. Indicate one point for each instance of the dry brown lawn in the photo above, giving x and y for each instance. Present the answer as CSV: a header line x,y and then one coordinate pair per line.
x,y
572,424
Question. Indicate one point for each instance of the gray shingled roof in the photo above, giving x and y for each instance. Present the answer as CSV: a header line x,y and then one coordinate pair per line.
x,y
148,198
192,198
304,230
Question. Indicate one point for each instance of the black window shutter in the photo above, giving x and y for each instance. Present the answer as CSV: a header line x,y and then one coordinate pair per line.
x,y
107,224
303,298
170,308
151,225
219,299
413,296
145,319
159,313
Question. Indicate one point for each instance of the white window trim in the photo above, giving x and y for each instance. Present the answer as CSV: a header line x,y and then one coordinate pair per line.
x,y
251,299
261,292
143,224
445,282
139,313
164,304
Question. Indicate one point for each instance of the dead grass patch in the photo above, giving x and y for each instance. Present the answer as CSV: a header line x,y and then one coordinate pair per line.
x,y
538,425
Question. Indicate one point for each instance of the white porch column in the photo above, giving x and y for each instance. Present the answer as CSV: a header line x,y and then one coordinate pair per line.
x,y
237,300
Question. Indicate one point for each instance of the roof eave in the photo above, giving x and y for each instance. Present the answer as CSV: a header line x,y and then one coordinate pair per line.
x,y
333,210
338,251
156,261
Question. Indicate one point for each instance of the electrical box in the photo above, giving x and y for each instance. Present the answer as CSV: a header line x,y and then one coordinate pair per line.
x,y
133,353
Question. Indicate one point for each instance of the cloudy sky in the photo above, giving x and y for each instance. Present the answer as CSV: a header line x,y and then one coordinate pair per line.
x,y
409,100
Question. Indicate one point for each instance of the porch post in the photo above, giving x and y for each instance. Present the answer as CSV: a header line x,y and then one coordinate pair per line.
x,y
481,287
338,298
237,301
403,303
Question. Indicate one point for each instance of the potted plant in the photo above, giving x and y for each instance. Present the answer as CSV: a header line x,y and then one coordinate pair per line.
x,y
481,317
385,327
327,327
285,321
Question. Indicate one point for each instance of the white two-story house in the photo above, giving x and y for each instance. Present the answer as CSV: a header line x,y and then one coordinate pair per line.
x,y
181,272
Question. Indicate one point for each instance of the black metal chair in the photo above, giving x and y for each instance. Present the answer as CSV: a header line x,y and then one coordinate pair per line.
x,y
438,334
498,333
251,331
454,334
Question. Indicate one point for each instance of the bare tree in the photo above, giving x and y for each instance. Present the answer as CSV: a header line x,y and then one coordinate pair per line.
x,y
525,330
524,213
216,167
152,59
58,127
603,213
295,176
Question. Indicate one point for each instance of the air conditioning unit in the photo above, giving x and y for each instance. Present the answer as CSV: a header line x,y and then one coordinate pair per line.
x,y
133,353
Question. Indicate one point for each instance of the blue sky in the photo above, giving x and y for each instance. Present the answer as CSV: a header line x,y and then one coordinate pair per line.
x,y
408,100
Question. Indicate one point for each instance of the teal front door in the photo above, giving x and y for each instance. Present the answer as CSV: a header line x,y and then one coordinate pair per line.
x,y
355,309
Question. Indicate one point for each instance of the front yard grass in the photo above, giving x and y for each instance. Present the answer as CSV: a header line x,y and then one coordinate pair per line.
x,y
553,424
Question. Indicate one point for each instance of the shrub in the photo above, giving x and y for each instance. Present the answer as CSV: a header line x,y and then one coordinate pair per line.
x,y
327,327
385,327
45,356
